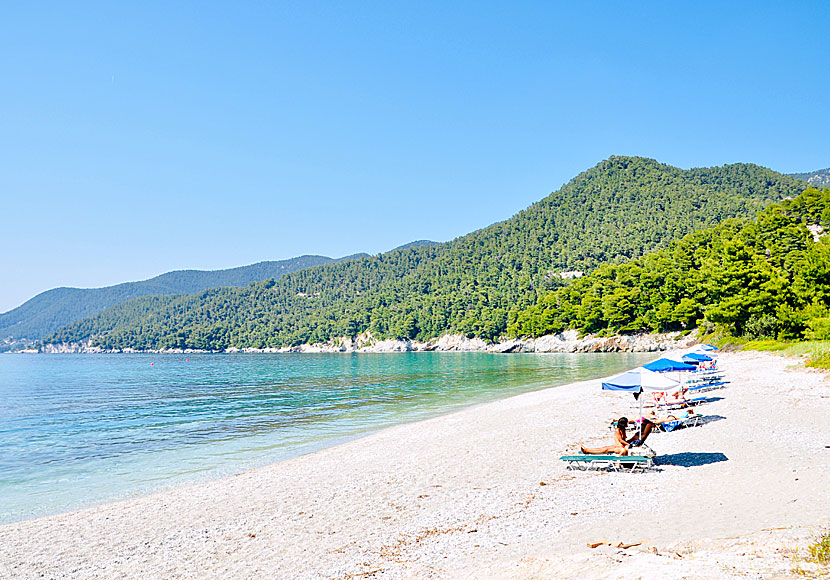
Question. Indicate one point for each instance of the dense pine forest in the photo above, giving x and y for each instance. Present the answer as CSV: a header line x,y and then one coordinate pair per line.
x,y
762,278
617,211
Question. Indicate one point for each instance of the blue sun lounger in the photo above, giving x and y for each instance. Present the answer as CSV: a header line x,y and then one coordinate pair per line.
x,y
668,426
685,403
584,462
701,388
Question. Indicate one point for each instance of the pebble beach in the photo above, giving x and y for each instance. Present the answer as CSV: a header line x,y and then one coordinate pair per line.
x,y
481,493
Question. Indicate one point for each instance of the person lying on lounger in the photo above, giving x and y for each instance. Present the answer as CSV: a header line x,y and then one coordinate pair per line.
x,y
650,422
677,398
689,414
620,446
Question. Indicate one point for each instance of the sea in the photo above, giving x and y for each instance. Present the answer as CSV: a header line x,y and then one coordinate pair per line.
x,y
78,430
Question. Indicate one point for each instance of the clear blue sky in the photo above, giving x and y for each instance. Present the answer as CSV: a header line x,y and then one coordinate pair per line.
x,y
138,139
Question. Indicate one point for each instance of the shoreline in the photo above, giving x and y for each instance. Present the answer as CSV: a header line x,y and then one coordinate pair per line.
x,y
461,495
405,416
568,341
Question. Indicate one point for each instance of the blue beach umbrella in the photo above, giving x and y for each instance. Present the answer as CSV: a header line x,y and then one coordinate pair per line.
x,y
670,365
696,357
707,349
638,380
664,365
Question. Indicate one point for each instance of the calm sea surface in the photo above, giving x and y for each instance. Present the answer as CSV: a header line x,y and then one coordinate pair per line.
x,y
78,430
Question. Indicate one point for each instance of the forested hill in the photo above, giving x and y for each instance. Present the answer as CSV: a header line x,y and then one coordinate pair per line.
x,y
416,244
620,209
50,310
818,178
765,278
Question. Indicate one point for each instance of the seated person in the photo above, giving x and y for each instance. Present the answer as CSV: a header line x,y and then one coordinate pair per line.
x,y
620,446
646,427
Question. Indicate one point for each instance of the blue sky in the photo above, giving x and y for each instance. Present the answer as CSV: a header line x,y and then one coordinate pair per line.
x,y
138,139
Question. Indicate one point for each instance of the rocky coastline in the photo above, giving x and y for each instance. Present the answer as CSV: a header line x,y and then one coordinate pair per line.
x,y
565,342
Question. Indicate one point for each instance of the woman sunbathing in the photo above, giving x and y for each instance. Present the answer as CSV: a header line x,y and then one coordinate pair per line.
x,y
689,414
620,446
649,423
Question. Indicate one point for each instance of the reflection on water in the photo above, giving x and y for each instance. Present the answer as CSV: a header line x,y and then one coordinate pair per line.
x,y
81,429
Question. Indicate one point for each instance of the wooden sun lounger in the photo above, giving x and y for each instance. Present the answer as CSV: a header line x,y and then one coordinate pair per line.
x,y
585,462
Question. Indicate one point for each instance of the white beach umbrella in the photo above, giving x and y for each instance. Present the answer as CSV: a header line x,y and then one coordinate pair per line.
x,y
638,380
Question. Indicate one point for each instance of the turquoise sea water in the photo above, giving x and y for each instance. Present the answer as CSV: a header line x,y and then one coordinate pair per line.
x,y
77,430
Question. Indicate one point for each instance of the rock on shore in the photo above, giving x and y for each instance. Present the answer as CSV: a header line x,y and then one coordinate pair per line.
x,y
568,341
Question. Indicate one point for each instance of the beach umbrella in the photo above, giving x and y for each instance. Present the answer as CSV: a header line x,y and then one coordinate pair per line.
x,y
707,349
696,357
704,361
670,365
664,365
638,380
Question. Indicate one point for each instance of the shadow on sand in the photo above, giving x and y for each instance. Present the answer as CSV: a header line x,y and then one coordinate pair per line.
x,y
687,459
705,419
709,400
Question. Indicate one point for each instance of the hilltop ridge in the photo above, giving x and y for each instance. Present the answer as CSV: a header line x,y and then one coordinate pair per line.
x,y
816,178
622,208
50,310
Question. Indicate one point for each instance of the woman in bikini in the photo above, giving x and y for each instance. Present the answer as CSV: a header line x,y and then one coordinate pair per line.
x,y
620,446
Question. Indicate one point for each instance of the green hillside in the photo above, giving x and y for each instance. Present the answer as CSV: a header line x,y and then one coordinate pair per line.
x,y
765,278
50,310
619,210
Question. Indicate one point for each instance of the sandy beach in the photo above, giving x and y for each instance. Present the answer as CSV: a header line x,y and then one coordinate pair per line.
x,y
481,493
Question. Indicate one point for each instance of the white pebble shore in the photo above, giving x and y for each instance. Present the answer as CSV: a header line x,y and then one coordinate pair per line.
x,y
481,493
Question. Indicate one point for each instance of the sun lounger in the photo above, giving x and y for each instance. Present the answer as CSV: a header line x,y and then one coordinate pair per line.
x,y
692,421
704,377
702,388
584,462
674,404
685,403
698,383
